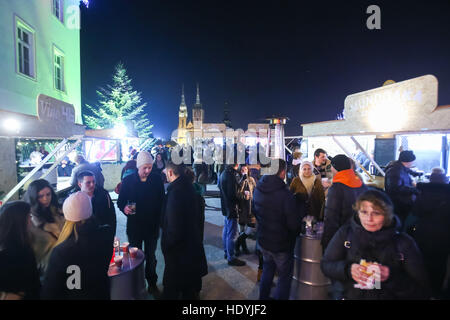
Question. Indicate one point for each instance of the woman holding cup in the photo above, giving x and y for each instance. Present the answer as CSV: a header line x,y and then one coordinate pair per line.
x,y
372,258
246,217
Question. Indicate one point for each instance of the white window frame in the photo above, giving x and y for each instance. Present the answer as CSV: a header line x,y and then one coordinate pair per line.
x,y
58,5
59,53
20,43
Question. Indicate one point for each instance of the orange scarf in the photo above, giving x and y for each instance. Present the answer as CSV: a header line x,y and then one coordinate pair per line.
x,y
348,177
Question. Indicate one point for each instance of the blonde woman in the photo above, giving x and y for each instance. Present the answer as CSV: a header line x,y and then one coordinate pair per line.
x,y
308,190
84,247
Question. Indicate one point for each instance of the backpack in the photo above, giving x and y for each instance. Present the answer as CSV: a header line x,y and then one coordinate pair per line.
x,y
400,255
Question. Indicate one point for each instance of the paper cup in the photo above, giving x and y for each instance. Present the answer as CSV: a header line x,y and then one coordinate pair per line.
x,y
133,252
124,247
118,261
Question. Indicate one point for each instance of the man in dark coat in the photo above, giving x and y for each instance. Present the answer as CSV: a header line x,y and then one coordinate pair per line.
x,y
182,238
65,168
398,183
102,206
431,230
341,197
279,223
146,190
228,186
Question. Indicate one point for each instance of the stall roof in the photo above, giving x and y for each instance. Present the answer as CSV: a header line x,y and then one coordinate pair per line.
x,y
106,134
19,125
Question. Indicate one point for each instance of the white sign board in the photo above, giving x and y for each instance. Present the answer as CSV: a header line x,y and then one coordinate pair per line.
x,y
393,107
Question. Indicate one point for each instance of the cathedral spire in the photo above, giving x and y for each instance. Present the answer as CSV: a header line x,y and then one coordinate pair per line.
x,y
198,95
183,102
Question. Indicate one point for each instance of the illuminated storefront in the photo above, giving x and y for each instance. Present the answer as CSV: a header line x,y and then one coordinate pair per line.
x,y
386,120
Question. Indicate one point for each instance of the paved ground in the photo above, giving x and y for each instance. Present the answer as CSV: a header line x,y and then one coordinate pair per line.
x,y
223,282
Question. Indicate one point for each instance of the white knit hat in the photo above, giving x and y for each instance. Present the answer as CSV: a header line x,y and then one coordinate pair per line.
x,y
144,158
77,207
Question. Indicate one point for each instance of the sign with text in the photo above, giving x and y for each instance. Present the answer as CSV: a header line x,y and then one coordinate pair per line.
x,y
51,109
393,107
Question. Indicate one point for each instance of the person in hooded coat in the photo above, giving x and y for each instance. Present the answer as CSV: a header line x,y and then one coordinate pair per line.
x,y
279,223
372,243
308,190
341,197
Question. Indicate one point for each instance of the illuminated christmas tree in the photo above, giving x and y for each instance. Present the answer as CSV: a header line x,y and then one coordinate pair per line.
x,y
117,105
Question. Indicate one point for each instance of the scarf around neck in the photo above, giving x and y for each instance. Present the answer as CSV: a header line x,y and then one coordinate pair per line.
x,y
308,182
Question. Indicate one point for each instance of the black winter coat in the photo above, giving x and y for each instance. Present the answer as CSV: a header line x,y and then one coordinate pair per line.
x,y
398,184
228,186
398,251
182,234
103,209
19,273
149,197
339,209
92,254
431,231
279,218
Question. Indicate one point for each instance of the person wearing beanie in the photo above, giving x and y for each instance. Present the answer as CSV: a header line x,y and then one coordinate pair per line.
x,y
339,210
373,234
342,195
145,189
79,263
399,185
429,226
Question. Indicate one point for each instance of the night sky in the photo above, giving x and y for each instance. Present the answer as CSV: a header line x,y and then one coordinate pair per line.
x,y
294,58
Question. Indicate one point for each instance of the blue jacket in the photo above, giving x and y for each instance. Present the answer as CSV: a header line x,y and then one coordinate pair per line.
x,y
398,184
279,218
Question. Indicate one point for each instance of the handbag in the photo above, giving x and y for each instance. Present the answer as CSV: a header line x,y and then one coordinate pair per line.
x,y
117,189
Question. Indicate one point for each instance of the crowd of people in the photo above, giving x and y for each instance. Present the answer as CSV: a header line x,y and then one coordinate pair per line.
x,y
43,241
401,233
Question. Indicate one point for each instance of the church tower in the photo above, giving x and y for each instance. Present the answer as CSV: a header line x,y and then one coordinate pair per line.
x,y
182,119
197,111
226,115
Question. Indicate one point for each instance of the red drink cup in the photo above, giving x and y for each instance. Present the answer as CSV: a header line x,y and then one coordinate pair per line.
x,y
118,261
133,252
124,247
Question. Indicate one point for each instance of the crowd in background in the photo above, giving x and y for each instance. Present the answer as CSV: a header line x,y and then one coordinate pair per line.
x,y
402,230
